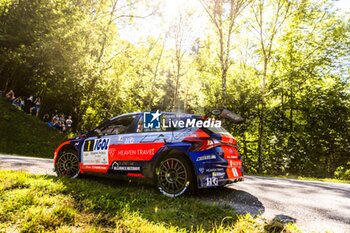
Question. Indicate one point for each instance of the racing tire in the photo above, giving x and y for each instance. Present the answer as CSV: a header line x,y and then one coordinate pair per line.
x,y
67,164
174,176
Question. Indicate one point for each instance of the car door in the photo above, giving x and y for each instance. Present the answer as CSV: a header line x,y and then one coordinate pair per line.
x,y
99,150
141,145
136,149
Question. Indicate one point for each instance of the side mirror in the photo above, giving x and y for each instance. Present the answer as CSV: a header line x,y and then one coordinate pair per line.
x,y
98,132
93,133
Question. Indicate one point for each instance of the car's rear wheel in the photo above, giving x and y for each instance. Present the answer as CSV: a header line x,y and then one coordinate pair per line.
x,y
67,164
174,176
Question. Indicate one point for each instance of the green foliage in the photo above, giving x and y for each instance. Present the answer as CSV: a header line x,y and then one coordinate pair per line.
x,y
32,203
343,172
17,137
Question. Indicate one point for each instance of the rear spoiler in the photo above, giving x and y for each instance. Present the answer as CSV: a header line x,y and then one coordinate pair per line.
x,y
227,114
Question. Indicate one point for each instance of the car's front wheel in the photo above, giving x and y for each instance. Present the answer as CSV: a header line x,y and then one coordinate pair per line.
x,y
174,176
67,164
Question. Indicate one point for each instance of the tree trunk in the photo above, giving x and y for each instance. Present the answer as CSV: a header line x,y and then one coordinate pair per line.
x,y
223,86
262,120
175,99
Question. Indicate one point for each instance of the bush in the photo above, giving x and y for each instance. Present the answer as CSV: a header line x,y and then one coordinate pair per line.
x,y
343,172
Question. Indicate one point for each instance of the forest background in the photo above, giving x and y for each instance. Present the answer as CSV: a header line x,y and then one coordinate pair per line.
x,y
281,64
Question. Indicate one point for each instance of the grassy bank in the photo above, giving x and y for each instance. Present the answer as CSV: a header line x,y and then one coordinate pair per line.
x,y
33,203
24,134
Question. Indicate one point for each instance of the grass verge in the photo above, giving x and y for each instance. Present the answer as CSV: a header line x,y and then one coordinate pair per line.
x,y
23,134
32,203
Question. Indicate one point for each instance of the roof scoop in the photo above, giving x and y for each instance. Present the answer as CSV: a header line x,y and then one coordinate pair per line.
x,y
227,114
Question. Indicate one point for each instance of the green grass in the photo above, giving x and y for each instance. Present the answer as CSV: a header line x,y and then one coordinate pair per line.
x,y
26,135
32,203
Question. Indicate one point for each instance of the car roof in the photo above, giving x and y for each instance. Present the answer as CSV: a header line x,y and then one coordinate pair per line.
x,y
139,113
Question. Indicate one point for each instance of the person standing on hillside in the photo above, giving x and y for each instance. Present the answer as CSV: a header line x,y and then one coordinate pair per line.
x,y
69,123
23,104
62,122
36,106
28,104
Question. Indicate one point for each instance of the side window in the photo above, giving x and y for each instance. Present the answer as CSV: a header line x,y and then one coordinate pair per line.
x,y
118,126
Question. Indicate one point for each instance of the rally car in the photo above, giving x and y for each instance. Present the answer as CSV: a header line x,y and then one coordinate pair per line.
x,y
178,152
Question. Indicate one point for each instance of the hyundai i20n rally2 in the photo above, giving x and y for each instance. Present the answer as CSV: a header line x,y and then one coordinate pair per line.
x,y
178,152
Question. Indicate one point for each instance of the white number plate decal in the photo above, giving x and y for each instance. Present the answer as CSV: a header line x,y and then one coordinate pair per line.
x,y
95,151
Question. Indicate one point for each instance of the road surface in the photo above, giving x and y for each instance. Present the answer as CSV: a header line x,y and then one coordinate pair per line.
x,y
315,206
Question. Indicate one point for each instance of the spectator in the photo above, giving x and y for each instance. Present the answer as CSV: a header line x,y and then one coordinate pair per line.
x,y
23,105
36,106
54,123
62,126
17,102
54,119
46,117
69,123
62,121
28,104
10,96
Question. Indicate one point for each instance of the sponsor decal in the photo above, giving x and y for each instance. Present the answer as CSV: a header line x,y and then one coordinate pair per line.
x,y
125,167
212,181
208,181
176,194
120,138
234,171
129,140
219,174
214,169
201,170
94,167
235,164
206,157
135,152
96,151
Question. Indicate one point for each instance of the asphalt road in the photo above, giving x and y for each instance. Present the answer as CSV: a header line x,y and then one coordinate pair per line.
x,y
314,206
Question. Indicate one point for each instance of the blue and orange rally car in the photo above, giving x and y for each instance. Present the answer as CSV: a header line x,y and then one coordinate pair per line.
x,y
178,152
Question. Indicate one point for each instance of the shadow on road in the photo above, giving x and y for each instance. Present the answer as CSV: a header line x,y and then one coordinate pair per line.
x,y
306,186
242,202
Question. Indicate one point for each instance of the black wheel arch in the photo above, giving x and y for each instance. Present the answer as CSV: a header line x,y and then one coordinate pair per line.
x,y
68,147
